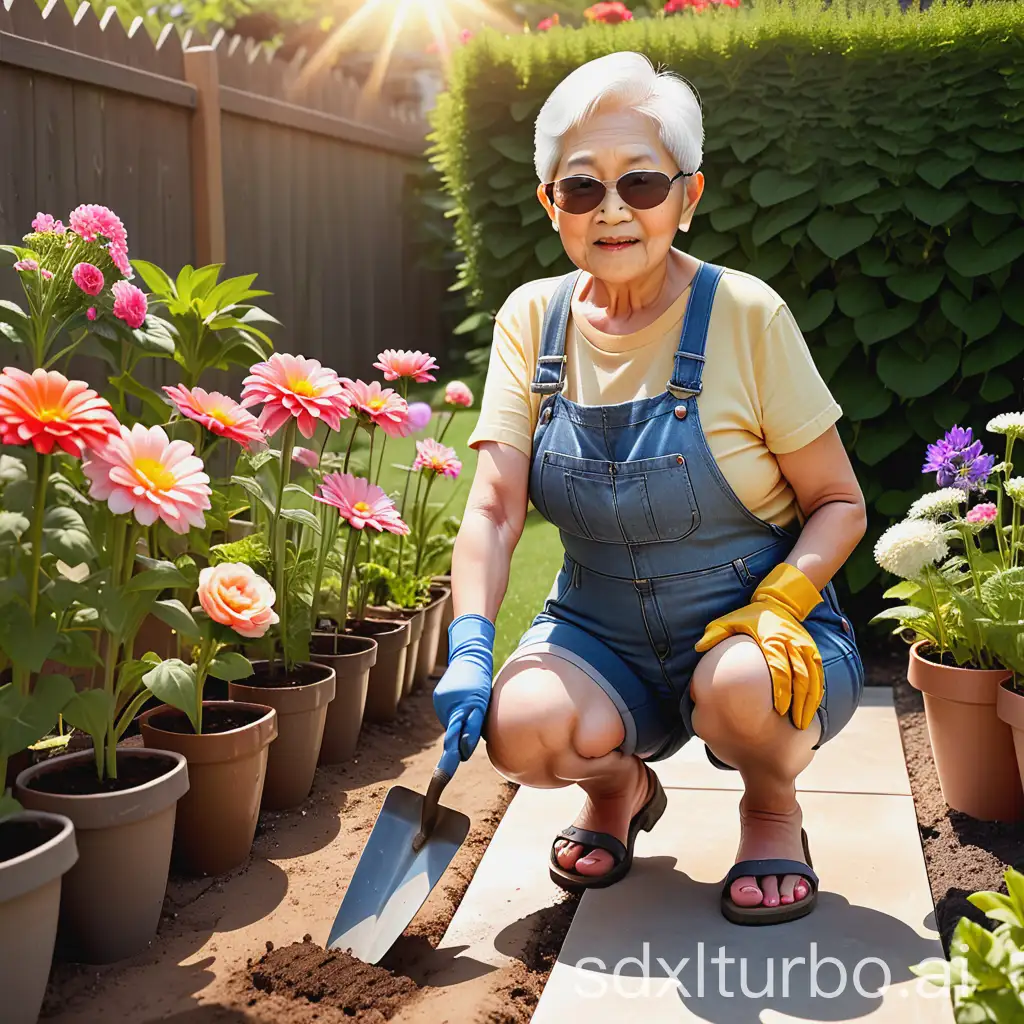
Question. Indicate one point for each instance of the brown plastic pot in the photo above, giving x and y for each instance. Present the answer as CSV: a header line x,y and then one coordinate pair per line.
x,y
217,817
36,849
973,749
111,899
432,615
351,658
447,617
387,677
415,617
301,699
1010,709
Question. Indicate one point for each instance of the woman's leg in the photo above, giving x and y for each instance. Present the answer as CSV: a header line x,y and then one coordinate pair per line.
x,y
550,725
733,713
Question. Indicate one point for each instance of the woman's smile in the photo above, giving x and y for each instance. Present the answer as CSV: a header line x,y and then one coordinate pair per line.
x,y
609,244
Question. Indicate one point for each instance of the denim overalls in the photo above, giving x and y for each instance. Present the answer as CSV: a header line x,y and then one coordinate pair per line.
x,y
656,542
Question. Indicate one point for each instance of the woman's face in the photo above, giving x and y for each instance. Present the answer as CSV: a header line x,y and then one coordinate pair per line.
x,y
614,242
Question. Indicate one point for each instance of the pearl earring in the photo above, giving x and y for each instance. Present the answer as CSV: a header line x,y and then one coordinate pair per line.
x,y
554,226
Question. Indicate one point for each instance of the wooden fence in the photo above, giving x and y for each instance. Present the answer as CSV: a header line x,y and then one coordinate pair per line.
x,y
209,152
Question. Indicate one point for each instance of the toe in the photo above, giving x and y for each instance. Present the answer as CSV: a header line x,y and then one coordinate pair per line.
x,y
793,888
745,892
770,888
597,862
569,854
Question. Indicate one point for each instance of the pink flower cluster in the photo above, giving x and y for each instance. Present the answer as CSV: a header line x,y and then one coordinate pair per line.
x,y
44,224
697,6
546,24
984,513
91,222
611,12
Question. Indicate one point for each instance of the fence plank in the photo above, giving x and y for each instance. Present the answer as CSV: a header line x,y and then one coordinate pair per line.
x,y
207,164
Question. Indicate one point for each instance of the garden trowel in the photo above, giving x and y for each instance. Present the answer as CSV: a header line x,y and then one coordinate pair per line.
x,y
412,843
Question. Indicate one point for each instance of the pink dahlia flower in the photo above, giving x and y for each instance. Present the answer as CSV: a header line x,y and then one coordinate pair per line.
x,y
419,415
437,458
219,414
45,409
361,503
90,313
119,257
456,393
130,304
234,595
293,386
305,457
26,266
89,221
396,363
44,224
983,513
142,471
381,407
88,278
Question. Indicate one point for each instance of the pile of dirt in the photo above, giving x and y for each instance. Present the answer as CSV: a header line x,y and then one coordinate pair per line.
x,y
304,970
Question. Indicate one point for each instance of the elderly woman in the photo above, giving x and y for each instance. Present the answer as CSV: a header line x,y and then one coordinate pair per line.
x,y
666,416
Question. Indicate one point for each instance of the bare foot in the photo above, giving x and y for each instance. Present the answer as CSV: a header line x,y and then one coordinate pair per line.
x,y
767,834
610,812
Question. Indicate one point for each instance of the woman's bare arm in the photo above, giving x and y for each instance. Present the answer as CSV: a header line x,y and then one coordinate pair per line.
x,y
491,527
831,500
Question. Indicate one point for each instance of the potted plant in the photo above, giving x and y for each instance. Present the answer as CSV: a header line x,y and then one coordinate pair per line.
x,y
961,596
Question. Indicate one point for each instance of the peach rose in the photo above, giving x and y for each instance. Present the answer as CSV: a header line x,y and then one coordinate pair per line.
x,y
234,595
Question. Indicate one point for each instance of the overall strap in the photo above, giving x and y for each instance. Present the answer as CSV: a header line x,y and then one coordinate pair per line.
x,y
689,364
549,377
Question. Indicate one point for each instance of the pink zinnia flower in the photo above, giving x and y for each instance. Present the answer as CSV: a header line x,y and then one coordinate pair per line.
x,y
419,415
119,257
611,12
381,407
437,458
547,23
235,595
464,36
305,457
395,363
130,304
44,224
456,393
983,513
361,503
26,266
89,221
142,471
88,278
293,386
220,415
90,313
44,409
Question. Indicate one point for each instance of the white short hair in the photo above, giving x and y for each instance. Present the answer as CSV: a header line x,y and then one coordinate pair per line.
x,y
630,80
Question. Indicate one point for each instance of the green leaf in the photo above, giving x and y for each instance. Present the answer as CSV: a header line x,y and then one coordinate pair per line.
x,y
769,187
26,719
996,387
885,323
859,296
912,378
812,313
517,148
885,200
771,259
861,394
875,263
229,665
844,190
1003,346
127,383
877,441
916,285
1013,304
902,591
969,258
771,223
991,198
472,322
997,167
156,280
25,643
938,171
174,683
178,617
302,516
66,535
836,235
709,245
159,577
548,250
975,319
91,711
932,206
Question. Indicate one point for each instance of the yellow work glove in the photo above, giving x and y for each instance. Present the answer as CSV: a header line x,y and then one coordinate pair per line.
x,y
773,619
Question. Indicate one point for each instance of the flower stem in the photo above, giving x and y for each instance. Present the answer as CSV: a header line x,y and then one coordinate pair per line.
x,y
1000,539
421,543
278,539
940,628
351,441
447,424
401,538
351,548
970,544
207,653
36,535
369,464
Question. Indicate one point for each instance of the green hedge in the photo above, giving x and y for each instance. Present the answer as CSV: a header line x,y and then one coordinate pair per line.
x,y
867,163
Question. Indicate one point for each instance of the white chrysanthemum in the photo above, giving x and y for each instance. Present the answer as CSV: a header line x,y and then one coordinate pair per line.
x,y
1010,423
1015,489
908,547
945,502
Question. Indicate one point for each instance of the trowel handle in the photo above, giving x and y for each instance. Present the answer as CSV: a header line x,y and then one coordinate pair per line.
x,y
443,773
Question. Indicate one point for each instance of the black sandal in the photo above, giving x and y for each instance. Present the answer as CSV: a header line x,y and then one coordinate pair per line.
x,y
771,866
646,818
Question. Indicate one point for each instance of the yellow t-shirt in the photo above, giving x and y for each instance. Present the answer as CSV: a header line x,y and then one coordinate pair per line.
x,y
762,394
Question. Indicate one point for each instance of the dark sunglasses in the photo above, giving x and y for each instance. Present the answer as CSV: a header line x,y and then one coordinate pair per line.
x,y
640,190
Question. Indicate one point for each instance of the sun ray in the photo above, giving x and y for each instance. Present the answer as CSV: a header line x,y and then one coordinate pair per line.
x,y
371,90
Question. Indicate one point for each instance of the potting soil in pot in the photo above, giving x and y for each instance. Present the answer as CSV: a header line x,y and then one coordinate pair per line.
x,y
18,837
298,675
81,779
214,720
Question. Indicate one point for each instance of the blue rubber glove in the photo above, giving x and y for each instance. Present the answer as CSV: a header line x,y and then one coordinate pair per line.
x,y
464,691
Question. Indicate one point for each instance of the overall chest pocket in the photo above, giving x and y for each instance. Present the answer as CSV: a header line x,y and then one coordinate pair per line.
x,y
637,502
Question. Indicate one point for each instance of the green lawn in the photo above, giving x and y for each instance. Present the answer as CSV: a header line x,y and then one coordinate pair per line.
x,y
537,558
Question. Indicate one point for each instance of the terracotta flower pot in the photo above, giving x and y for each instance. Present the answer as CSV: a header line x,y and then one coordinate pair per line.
x,y
351,658
973,749
387,677
415,617
1010,709
36,849
301,699
227,764
447,616
111,899
431,638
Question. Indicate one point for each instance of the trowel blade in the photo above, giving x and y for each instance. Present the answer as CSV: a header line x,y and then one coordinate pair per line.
x,y
391,881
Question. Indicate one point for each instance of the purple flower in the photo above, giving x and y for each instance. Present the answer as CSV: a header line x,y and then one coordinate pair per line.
x,y
957,460
419,415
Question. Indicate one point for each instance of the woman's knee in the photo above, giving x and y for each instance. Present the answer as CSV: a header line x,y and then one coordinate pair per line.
x,y
732,691
543,712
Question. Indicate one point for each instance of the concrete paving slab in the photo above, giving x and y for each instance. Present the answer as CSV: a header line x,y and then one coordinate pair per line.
x,y
866,757
874,919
